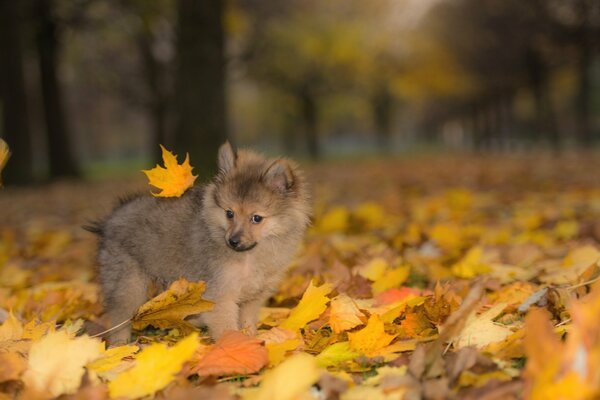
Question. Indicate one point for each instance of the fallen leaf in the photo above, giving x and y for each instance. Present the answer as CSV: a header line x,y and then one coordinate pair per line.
x,y
343,314
277,351
12,366
56,362
11,329
471,265
289,380
169,308
335,354
111,358
371,338
313,303
335,220
233,353
391,278
155,367
174,179
479,331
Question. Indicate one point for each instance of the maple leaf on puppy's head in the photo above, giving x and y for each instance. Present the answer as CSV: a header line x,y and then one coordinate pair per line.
x,y
174,179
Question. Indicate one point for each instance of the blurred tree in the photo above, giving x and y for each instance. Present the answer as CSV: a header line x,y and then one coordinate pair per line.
x,y
13,94
307,53
60,154
155,43
200,114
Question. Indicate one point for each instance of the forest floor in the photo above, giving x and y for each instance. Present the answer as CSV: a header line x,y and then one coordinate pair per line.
x,y
455,276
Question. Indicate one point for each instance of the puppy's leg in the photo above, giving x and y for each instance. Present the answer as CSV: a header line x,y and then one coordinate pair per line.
x,y
223,317
249,314
125,289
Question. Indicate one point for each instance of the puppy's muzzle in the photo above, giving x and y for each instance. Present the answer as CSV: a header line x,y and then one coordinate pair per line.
x,y
235,243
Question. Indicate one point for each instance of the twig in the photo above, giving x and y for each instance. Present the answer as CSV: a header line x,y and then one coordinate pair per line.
x,y
566,321
113,328
583,283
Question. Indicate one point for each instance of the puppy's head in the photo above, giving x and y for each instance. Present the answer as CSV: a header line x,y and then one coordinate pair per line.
x,y
253,199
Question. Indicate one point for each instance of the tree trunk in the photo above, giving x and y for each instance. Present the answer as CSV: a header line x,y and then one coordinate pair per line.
x,y
381,105
13,94
309,114
544,114
156,81
60,153
583,100
200,120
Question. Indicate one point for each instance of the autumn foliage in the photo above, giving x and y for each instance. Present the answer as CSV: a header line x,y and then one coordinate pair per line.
x,y
419,279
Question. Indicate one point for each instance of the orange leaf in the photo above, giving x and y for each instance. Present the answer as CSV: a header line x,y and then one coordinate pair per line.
x,y
233,353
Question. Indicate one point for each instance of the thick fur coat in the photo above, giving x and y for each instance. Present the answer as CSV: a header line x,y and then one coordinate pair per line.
x,y
238,234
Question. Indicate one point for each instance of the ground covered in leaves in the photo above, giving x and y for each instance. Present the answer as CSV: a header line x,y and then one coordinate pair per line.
x,y
423,278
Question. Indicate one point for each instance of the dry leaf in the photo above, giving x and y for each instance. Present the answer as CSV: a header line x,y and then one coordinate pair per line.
x,y
480,331
343,314
12,366
233,353
168,309
11,329
335,354
288,380
111,358
174,179
313,303
278,351
56,362
371,338
155,367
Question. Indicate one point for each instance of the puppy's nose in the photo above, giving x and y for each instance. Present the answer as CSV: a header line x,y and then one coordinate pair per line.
x,y
234,241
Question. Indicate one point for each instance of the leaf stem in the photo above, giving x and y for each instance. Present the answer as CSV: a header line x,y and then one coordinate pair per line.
x,y
112,329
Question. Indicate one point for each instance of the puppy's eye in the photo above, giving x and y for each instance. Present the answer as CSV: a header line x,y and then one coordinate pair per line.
x,y
256,219
229,214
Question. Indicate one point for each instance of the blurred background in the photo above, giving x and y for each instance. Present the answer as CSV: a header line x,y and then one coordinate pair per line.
x,y
91,87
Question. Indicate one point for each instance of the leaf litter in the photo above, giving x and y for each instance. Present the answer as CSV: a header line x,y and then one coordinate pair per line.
x,y
419,279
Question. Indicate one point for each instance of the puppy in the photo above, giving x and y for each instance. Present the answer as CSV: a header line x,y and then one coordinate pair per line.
x,y
237,233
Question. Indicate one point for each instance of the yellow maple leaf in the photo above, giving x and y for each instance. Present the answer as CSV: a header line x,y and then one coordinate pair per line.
x,y
155,367
371,338
335,354
112,357
169,308
56,362
4,156
174,179
289,380
278,351
313,303
35,330
344,314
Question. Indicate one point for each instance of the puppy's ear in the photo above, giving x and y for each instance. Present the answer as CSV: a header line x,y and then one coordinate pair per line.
x,y
227,157
279,176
